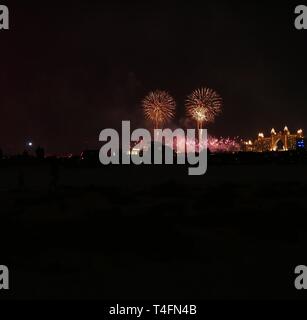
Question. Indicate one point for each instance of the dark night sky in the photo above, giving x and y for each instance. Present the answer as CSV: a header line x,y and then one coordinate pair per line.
x,y
70,70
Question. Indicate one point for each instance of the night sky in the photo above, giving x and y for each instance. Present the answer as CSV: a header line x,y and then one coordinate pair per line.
x,y
70,70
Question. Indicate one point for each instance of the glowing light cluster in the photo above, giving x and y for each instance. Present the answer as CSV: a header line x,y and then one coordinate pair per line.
x,y
261,135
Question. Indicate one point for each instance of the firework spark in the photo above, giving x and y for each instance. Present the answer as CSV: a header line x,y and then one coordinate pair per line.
x,y
159,107
203,105
217,145
184,144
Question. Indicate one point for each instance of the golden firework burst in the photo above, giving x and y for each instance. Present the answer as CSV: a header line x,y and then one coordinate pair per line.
x,y
159,107
203,105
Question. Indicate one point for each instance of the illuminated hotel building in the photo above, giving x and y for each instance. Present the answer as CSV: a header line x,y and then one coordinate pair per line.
x,y
277,141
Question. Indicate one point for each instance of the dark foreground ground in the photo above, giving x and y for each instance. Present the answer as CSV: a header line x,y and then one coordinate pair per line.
x,y
154,232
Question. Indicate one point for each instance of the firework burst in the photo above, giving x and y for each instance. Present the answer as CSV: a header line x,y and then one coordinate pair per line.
x,y
203,105
159,107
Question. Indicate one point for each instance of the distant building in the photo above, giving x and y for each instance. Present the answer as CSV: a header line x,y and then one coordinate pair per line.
x,y
281,141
